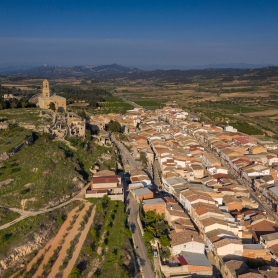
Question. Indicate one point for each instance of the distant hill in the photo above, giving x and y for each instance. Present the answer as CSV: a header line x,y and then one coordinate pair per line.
x,y
99,72
114,71
222,74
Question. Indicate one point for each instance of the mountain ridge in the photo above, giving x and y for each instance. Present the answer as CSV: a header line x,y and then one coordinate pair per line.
x,y
114,71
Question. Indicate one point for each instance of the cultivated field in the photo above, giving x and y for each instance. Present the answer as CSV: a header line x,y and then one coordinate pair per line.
x,y
263,113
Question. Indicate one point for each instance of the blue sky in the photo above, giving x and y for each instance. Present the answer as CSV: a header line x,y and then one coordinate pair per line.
x,y
163,34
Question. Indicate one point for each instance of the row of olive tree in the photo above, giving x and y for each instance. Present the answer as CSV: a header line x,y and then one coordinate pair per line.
x,y
14,103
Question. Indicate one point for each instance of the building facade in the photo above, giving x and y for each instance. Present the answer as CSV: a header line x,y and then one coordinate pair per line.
x,y
46,98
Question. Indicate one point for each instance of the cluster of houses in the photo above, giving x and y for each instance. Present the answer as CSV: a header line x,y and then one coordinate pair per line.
x,y
210,213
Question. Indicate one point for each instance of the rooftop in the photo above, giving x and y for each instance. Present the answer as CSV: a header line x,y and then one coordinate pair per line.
x,y
226,241
253,246
155,201
195,259
142,191
268,237
184,237
274,190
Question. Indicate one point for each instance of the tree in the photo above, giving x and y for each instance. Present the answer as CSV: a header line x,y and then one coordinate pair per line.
x,y
2,105
155,223
24,103
82,114
75,273
165,253
14,103
164,240
114,126
52,106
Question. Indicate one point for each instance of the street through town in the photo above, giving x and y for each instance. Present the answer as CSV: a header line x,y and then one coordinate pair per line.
x,y
129,163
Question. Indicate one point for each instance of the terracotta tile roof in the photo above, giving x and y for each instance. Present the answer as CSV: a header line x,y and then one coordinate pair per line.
x,y
184,237
202,208
226,241
170,200
264,226
212,220
177,213
183,223
237,267
230,199
199,197
221,176
219,232
106,179
251,275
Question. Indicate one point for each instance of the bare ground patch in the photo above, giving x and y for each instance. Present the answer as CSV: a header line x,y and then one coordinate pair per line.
x,y
262,113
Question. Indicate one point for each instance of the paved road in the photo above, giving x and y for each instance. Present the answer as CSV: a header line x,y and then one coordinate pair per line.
x,y
144,261
128,160
133,208
131,103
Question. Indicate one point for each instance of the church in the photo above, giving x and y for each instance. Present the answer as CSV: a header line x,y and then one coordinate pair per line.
x,y
46,98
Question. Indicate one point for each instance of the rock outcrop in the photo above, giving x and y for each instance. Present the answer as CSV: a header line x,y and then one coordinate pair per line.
x,y
17,256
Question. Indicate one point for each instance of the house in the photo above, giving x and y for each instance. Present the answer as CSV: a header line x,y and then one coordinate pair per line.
x,y
269,239
270,145
173,212
216,235
136,185
272,196
200,211
212,223
234,268
209,160
143,193
170,183
229,128
198,171
182,224
228,247
156,204
261,227
255,252
106,185
189,197
140,176
250,274
197,263
232,203
257,149
188,241
188,264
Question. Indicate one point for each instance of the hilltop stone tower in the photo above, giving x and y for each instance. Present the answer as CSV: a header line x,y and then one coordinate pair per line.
x,y
45,99
45,89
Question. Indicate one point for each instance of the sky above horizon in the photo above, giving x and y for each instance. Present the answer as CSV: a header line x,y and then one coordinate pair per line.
x,y
154,34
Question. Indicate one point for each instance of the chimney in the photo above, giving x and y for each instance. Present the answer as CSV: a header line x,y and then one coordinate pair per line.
x,y
191,237
171,207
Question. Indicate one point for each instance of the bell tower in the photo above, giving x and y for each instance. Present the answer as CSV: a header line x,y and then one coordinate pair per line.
x,y
45,89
